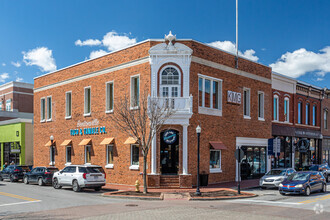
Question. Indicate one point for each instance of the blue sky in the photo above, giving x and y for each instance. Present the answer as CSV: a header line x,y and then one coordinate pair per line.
x,y
293,36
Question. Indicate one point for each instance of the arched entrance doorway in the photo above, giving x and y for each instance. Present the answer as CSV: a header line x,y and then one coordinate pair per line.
x,y
169,152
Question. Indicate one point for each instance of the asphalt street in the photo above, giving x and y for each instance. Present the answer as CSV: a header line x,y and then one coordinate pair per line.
x,y
18,200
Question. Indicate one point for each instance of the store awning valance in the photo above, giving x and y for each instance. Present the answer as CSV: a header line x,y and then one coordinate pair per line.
x,y
49,143
107,141
217,145
85,142
130,140
66,143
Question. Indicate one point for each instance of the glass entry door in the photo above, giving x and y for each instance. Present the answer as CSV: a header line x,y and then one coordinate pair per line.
x,y
254,162
169,152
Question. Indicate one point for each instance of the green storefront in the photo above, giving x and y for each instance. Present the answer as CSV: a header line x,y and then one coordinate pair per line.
x,y
16,142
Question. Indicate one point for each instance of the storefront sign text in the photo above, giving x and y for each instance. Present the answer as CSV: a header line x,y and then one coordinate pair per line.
x,y
95,122
87,131
234,97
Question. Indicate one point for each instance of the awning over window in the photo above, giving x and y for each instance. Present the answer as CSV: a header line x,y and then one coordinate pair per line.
x,y
107,141
130,140
85,142
66,143
49,143
217,145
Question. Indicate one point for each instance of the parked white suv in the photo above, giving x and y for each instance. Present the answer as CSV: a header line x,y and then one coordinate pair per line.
x,y
79,177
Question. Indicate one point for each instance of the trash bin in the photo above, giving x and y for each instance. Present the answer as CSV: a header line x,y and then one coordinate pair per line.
x,y
204,179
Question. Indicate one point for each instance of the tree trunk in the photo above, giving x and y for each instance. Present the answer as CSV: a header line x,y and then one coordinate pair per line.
x,y
145,190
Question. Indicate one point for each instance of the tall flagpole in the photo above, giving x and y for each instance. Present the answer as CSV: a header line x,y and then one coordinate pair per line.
x,y
236,59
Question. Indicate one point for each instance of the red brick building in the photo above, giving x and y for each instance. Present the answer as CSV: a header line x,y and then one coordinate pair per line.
x,y
325,126
231,105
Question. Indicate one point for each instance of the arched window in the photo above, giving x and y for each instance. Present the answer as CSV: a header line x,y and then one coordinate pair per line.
x,y
170,82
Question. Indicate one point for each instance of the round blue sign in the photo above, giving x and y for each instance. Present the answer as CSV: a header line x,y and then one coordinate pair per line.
x,y
169,137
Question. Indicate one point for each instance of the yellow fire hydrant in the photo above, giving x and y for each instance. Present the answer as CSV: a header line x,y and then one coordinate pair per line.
x,y
137,186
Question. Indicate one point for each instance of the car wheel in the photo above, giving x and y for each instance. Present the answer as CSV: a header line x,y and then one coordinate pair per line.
x,y
56,185
26,180
40,182
11,178
324,187
75,186
98,188
307,191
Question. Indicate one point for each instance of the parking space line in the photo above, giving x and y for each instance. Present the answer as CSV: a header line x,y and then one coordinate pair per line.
x,y
18,197
20,203
315,199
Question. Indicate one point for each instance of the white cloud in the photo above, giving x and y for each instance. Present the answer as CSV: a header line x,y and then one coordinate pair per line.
x,y
231,47
3,64
89,42
302,61
319,79
17,64
19,79
113,41
97,53
3,77
41,57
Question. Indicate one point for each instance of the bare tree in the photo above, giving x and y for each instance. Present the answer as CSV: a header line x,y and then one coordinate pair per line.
x,y
141,119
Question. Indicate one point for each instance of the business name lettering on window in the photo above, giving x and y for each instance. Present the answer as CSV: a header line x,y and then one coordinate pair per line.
x,y
234,97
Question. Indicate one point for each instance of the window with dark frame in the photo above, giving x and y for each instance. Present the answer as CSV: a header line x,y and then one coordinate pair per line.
x,y
135,91
110,154
109,97
68,104
134,154
68,154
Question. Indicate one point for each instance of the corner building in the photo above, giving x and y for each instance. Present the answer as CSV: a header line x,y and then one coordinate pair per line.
x,y
231,105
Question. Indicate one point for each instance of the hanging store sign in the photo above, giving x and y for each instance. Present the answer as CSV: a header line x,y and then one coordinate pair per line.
x,y
87,131
170,136
303,145
234,97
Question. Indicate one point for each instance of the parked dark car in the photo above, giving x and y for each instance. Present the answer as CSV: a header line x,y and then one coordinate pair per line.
x,y
323,168
13,173
40,175
303,182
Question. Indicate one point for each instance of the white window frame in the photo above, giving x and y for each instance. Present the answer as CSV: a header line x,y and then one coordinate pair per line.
x,y
261,106
66,105
161,86
66,155
8,105
131,91
210,110
247,116
216,170
51,108
107,98
109,165
85,101
42,110
86,146
287,119
134,167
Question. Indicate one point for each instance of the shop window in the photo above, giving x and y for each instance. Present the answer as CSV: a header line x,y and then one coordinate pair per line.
x,y
109,97
286,109
299,113
49,108
307,114
246,102
52,155
8,104
134,156
42,110
275,108
325,116
0,105
68,104
314,115
210,94
109,156
87,104
215,161
88,151
261,105
68,154
135,91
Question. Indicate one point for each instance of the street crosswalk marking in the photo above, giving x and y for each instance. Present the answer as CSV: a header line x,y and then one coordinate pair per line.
x,y
315,199
19,203
18,197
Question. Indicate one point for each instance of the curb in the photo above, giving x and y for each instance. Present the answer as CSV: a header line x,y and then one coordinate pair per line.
x,y
134,197
222,198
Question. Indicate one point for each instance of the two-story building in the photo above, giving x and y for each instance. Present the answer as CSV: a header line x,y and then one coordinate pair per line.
x,y
231,105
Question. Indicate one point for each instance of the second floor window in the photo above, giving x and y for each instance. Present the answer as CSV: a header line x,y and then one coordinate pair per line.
x,y
261,105
8,105
299,112
68,104
314,115
49,108
246,102
43,109
307,115
87,106
0,105
275,107
325,116
210,91
109,97
286,109
135,91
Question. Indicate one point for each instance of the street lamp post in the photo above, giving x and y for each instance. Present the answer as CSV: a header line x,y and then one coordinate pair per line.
x,y
198,131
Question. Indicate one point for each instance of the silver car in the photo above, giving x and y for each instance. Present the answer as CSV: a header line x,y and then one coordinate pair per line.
x,y
273,178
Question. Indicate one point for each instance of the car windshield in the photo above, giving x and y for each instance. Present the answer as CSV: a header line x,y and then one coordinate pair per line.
x,y
89,170
298,176
276,173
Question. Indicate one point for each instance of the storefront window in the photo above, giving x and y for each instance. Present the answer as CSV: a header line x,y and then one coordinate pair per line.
x,y
68,154
110,154
134,154
52,154
215,160
88,150
254,162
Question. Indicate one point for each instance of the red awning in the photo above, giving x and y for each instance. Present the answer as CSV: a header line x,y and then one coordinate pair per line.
x,y
217,145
